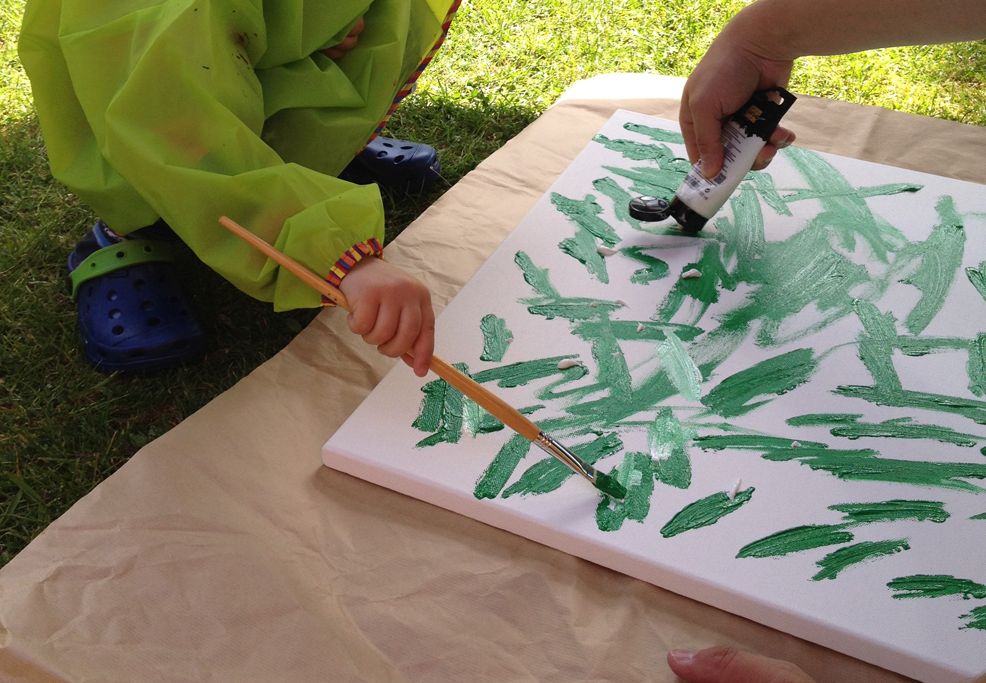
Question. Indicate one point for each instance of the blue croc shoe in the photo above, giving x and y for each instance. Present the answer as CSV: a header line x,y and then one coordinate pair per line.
x,y
397,164
132,314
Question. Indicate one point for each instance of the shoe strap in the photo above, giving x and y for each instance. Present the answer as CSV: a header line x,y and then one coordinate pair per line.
x,y
116,256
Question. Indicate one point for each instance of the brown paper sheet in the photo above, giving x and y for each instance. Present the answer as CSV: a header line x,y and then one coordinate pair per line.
x,y
224,551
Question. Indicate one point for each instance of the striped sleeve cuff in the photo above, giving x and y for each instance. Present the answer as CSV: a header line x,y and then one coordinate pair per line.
x,y
348,260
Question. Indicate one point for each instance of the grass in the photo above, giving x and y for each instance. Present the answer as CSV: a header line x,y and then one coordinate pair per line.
x,y
64,427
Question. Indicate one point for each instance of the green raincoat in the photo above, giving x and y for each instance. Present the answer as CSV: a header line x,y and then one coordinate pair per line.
x,y
190,109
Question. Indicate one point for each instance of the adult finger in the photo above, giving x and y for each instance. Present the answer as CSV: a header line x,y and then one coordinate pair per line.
x,y
729,665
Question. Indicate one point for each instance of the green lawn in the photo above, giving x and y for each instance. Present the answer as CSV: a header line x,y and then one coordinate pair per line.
x,y
64,427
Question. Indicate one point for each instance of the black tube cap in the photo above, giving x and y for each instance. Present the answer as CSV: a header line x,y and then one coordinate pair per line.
x,y
649,209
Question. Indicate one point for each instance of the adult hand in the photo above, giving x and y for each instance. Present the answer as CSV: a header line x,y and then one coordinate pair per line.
x,y
733,68
729,665
392,311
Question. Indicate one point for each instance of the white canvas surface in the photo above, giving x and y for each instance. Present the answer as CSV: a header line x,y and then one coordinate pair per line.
x,y
931,638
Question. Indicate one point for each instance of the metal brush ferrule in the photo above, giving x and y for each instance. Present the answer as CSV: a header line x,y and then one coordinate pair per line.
x,y
574,462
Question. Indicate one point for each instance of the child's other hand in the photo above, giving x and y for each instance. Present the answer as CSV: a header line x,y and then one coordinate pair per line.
x,y
392,311
348,43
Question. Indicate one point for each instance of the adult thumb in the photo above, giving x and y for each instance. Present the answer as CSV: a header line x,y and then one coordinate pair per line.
x,y
729,665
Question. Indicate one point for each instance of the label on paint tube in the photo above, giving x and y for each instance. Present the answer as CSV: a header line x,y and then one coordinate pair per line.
x,y
743,136
706,196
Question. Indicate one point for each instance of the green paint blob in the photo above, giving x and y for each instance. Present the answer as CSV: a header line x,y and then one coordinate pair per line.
x,y
705,511
976,365
668,442
835,562
654,268
502,468
977,276
584,213
796,540
496,338
610,486
679,366
774,376
634,479
892,511
549,474
935,586
941,257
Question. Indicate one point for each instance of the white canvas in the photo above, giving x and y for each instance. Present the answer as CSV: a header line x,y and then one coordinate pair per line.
x,y
774,391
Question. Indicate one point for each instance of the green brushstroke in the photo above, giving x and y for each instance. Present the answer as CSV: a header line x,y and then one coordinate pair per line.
x,y
536,277
876,345
636,330
656,134
441,412
635,475
856,514
750,442
499,471
977,276
476,420
935,586
940,258
774,376
864,465
838,560
637,151
897,428
496,338
584,213
549,474
976,618
582,248
869,191
968,408
922,346
523,372
704,289
981,515
668,442
762,184
681,369
705,512
976,365
654,268
796,540
655,182
621,201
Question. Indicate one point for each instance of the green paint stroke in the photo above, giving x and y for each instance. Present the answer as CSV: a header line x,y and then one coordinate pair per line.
x,y
584,213
835,562
864,465
976,366
876,345
849,427
703,289
796,540
635,475
549,474
441,412
750,442
621,201
496,338
654,268
668,442
856,514
774,376
935,586
981,515
582,248
536,277
977,276
976,618
637,151
499,471
656,134
705,512
941,257
967,408
679,366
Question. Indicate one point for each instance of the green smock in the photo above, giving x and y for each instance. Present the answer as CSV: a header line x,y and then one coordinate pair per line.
x,y
190,109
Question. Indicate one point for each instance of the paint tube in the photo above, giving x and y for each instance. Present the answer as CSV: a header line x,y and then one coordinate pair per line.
x,y
743,136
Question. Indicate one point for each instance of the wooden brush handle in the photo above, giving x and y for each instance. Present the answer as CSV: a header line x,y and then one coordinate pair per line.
x,y
486,399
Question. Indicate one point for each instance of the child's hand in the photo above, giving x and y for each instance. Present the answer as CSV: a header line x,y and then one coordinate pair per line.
x,y
348,43
391,310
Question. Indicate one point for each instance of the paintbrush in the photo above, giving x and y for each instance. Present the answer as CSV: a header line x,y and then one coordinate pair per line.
x,y
486,399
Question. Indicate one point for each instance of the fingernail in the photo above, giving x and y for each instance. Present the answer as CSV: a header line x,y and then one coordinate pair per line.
x,y
683,657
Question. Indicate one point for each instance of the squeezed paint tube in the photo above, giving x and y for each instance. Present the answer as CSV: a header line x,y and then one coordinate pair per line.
x,y
743,136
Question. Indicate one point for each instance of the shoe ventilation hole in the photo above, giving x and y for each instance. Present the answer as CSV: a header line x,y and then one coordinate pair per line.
x,y
112,295
118,330
386,144
381,155
148,249
121,254
115,313
407,147
399,158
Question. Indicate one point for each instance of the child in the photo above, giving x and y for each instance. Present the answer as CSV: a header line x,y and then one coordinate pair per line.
x,y
171,113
